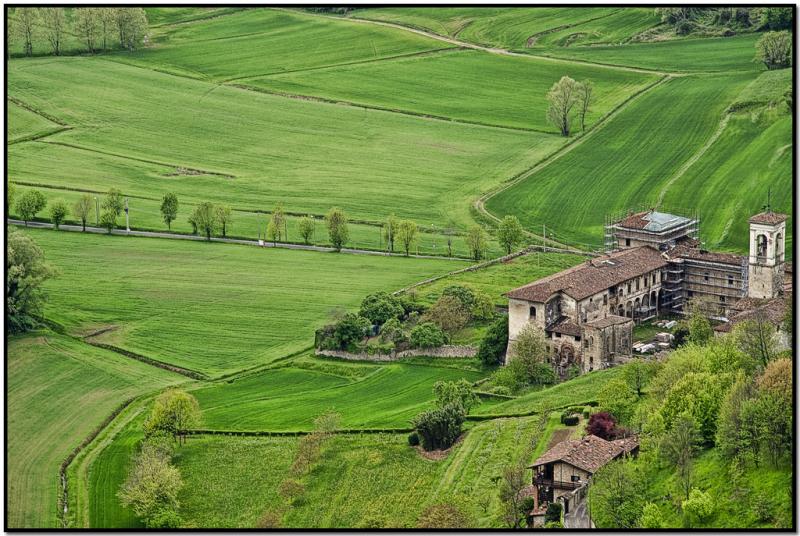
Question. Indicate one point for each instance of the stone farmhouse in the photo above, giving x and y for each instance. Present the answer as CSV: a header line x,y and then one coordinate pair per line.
x,y
561,473
656,265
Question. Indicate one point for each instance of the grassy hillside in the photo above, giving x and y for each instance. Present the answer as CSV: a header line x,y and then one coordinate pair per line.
x,y
310,156
715,54
214,308
262,41
24,124
288,399
59,390
630,161
461,85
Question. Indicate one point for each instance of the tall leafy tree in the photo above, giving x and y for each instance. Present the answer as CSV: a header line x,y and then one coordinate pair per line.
x,y
509,233
584,101
87,26
476,242
679,447
29,204
224,218
58,212
205,217
54,22
562,99
83,208
390,230
174,412
26,24
407,234
114,202
277,223
336,220
169,208
306,227
26,271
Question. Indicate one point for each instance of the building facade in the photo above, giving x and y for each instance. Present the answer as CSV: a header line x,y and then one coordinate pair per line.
x,y
588,312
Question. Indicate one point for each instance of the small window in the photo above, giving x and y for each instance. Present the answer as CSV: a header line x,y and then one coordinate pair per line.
x,y
705,276
627,241
605,299
691,293
637,284
629,288
549,335
654,279
730,280
722,299
578,337
533,312
576,478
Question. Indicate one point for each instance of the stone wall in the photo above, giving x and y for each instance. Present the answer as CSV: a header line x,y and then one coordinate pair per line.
x,y
451,351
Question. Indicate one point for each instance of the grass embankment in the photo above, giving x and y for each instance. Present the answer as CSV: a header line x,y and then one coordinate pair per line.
x,y
59,391
639,155
213,308
427,84
309,156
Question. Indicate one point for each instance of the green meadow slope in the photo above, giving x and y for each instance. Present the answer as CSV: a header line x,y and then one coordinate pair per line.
x,y
210,307
58,391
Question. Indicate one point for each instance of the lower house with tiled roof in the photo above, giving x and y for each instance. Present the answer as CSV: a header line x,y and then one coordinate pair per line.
x,y
568,466
588,311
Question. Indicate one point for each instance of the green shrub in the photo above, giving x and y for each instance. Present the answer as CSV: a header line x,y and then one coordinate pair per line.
x,y
464,294
494,343
527,504
350,330
413,439
392,331
553,513
571,420
427,335
698,507
483,308
380,307
439,428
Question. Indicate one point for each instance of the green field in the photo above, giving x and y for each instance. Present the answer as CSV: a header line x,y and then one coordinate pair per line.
x,y
709,55
59,390
257,42
256,107
281,150
639,155
520,101
288,399
214,308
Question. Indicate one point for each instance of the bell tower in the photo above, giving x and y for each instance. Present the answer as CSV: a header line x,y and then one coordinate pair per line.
x,y
767,255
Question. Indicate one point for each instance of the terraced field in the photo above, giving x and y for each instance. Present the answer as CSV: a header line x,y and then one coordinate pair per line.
x,y
426,85
422,169
59,390
214,308
288,399
632,160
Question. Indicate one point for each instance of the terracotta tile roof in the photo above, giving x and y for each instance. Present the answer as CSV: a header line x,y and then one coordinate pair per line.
x,y
593,276
653,221
708,256
565,326
589,453
749,308
610,320
769,218
628,444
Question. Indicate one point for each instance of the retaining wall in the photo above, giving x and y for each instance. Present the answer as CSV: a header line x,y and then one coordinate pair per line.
x,y
451,351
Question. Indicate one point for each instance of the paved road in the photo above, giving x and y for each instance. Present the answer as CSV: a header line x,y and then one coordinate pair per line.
x,y
178,236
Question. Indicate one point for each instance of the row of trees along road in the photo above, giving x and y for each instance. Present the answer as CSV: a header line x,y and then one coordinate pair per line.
x,y
98,28
210,219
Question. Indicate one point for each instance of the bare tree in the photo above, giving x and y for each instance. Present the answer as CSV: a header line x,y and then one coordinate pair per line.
x,y
25,24
511,495
585,99
87,25
55,26
82,208
562,98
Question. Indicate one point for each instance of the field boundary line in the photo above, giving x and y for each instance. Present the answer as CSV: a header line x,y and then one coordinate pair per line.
x,y
19,102
39,135
480,204
487,48
232,11
193,374
695,157
423,53
411,113
137,159
555,29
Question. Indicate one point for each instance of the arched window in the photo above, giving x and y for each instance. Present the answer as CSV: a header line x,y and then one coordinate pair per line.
x,y
779,245
532,312
761,245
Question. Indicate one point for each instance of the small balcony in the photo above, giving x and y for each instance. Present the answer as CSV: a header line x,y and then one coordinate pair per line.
x,y
558,484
